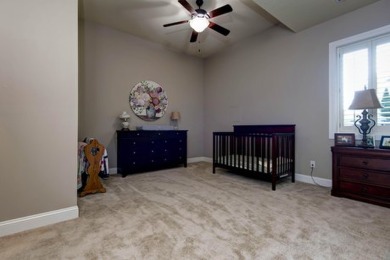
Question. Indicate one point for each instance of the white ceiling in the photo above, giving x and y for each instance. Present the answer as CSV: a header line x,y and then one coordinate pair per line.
x,y
145,19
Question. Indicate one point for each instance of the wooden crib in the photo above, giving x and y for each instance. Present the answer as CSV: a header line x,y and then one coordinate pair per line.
x,y
264,151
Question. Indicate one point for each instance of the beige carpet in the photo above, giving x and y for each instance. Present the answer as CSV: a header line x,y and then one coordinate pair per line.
x,y
192,214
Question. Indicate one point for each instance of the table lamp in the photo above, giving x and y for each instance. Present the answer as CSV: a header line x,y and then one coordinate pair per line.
x,y
175,116
365,99
124,117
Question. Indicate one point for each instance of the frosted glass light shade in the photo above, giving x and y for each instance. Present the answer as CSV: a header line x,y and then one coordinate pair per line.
x,y
199,23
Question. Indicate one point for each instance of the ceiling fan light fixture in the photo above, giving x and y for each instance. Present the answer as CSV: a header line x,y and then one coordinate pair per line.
x,y
199,22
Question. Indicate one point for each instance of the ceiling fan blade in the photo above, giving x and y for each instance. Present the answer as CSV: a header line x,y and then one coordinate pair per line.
x,y
175,23
187,6
194,36
220,11
219,28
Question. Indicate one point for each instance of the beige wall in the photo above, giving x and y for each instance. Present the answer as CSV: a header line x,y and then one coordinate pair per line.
x,y
281,77
38,106
112,62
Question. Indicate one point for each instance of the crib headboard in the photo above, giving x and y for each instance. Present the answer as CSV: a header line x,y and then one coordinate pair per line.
x,y
265,129
266,135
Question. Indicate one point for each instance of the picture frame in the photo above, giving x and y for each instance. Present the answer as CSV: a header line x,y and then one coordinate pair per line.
x,y
385,142
370,140
345,139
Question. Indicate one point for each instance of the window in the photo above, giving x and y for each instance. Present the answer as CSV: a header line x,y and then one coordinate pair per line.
x,y
355,63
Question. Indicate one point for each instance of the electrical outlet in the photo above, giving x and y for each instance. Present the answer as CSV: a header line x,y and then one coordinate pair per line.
x,y
312,164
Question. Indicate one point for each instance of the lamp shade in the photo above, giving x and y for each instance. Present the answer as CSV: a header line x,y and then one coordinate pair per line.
x,y
365,99
124,115
175,115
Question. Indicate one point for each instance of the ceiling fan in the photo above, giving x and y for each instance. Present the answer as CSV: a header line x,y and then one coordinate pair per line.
x,y
200,19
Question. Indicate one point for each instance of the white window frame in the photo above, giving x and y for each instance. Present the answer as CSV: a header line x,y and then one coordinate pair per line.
x,y
334,93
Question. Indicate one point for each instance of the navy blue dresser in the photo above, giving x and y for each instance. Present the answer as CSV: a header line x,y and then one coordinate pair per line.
x,y
141,151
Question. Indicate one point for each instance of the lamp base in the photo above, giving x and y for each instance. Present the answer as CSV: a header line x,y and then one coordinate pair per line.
x,y
366,146
365,128
125,125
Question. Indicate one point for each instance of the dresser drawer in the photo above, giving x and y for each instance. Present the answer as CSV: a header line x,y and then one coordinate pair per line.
x,y
365,163
366,190
365,176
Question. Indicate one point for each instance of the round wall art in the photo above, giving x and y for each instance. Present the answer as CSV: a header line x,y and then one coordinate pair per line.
x,y
148,100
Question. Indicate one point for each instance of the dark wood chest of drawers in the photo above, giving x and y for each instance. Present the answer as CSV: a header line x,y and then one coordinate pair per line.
x,y
361,174
140,151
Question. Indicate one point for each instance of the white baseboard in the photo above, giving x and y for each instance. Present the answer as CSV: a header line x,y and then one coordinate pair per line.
x,y
308,179
199,159
38,220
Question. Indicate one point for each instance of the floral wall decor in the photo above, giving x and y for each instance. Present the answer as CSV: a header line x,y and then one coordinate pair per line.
x,y
148,100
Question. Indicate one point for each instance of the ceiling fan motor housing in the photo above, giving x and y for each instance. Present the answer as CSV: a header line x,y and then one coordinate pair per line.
x,y
201,12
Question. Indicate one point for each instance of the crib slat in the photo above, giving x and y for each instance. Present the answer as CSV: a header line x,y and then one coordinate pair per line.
x,y
253,140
